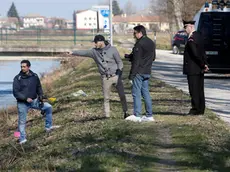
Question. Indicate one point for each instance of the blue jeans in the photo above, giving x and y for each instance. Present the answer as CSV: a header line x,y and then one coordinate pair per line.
x,y
140,88
23,108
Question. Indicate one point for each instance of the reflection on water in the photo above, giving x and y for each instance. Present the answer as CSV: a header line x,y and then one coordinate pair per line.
x,y
9,69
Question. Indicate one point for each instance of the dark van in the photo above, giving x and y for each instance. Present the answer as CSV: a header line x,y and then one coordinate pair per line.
x,y
215,28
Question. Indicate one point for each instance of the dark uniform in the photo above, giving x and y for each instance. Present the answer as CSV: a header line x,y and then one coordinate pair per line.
x,y
194,65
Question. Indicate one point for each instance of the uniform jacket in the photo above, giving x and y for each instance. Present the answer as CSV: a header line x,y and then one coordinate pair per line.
x,y
194,55
26,86
142,57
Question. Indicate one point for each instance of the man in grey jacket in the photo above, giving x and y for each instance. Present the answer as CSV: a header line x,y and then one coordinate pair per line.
x,y
110,67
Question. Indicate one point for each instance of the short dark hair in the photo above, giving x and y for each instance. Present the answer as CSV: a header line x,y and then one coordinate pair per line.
x,y
27,62
140,28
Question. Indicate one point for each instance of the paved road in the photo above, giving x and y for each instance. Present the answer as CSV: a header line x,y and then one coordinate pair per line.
x,y
168,68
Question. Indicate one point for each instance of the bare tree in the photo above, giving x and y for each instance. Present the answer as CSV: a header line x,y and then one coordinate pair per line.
x,y
176,10
129,8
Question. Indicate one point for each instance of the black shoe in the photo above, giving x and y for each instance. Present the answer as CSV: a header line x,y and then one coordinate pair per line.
x,y
126,115
195,113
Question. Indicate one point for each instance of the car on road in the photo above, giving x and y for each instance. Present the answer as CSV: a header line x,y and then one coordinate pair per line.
x,y
178,42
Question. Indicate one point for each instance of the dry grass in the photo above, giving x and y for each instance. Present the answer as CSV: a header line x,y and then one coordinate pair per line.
x,y
88,142
68,64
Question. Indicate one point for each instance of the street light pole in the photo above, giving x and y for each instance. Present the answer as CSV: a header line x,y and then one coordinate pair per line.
x,y
111,21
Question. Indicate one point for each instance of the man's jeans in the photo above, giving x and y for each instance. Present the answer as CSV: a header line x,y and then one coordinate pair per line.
x,y
140,88
23,108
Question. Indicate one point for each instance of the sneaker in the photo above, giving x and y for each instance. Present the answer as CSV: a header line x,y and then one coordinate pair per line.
x,y
133,118
52,128
22,142
147,119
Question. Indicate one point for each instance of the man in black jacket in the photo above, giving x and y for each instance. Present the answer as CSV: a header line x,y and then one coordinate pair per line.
x,y
142,57
27,90
194,67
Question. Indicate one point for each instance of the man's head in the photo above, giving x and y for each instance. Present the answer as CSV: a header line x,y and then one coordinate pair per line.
x,y
139,31
99,41
189,26
25,66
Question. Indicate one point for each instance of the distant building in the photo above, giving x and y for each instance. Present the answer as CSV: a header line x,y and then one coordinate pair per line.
x,y
9,22
86,20
94,18
55,22
123,23
69,24
103,16
33,21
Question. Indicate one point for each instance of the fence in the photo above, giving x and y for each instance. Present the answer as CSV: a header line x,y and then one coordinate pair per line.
x,y
67,38
45,37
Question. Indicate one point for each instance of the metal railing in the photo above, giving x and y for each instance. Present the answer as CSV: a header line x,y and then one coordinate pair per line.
x,y
45,37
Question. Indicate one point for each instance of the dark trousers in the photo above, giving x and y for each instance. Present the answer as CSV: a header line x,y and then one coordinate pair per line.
x,y
196,91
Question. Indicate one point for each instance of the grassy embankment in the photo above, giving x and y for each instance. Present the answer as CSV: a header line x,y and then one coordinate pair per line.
x,y
88,142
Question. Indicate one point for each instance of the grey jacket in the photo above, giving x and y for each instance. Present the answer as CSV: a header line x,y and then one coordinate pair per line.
x,y
107,59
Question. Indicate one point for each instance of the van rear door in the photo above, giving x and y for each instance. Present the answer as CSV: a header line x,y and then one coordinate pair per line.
x,y
215,28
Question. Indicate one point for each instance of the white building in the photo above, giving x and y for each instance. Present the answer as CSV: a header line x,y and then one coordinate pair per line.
x,y
103,16
96,17
33,21
69,24
86,20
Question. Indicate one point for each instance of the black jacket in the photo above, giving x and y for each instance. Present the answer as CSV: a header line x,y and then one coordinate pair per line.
x,y
194,55
142,57
27,86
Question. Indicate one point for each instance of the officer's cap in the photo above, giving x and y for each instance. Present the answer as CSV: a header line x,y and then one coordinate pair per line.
x,y
188,22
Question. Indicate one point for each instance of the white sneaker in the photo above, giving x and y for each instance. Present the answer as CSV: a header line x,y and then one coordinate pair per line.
x,y
52,128
133,118
147,119
23,141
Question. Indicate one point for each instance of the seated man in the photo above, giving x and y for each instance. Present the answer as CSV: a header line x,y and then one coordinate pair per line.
x,y
27,90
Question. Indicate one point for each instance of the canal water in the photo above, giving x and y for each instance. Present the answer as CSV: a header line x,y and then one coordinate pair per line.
x,y
9,69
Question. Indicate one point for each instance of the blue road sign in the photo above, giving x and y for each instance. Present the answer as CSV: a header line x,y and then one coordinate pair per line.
x,y
106,23
105,13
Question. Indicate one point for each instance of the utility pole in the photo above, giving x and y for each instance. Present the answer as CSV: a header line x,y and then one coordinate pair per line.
x,y
111,21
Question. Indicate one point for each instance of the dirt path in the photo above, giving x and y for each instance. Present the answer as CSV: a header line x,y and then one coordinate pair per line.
x,y
165,151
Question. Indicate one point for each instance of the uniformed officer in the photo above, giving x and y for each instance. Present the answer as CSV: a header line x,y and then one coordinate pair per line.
x,y
194,67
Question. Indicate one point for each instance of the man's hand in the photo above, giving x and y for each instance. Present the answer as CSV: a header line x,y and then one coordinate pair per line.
x,y
119,72
206,69
29,100
69,53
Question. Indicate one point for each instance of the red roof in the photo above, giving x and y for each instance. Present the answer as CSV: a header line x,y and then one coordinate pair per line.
x,y
138,18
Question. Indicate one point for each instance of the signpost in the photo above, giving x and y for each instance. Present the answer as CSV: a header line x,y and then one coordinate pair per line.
x,y
111,22
107,23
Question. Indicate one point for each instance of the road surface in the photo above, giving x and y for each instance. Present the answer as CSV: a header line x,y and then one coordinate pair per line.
x,y
168,68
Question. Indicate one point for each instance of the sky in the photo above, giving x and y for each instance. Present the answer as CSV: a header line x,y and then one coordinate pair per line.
x,y
57,8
